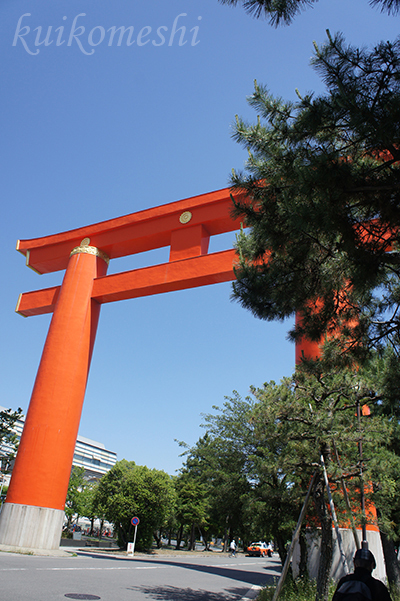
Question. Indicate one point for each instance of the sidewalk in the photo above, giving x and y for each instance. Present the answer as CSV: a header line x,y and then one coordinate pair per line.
x,y
42,552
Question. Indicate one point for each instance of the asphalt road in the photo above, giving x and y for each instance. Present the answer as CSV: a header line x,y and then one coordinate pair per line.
x,y
138,578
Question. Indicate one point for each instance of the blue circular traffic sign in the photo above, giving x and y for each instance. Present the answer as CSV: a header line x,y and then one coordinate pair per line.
x,y
135,521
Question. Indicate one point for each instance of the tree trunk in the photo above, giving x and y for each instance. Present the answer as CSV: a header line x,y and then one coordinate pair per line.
x,y
122,537
205,539
157,538
326,551
192,540
101,528
282,551
226,544
392,565
179,538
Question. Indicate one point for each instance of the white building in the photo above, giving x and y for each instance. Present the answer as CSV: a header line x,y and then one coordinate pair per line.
x,y
94,457
89,454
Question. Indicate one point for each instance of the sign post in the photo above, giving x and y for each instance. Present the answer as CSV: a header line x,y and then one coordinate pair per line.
x,y
131,546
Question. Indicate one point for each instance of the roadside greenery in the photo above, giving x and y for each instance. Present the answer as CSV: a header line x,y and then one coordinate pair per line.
x,y
301,590
275,440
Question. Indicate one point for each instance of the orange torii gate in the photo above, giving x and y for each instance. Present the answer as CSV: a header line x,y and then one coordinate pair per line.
x,y
33,513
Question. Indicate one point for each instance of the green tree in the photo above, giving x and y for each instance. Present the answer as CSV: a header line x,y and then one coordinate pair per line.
x,y
246,494
313,416
8,438
322,183
220,462
129,490
192,505
255,462
386,496
382,374
284,11
87,503
231,448
77,483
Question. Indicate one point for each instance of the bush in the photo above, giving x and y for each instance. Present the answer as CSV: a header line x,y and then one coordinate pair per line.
x,y
66,534
303,590
298,590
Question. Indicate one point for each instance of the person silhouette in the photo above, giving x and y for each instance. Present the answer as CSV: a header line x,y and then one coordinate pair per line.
x,y
361,585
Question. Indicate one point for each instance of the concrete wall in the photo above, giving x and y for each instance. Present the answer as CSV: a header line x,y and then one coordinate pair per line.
x,y
374,545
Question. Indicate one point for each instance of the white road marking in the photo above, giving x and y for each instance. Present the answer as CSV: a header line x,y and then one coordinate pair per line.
x,y
87,568
129,567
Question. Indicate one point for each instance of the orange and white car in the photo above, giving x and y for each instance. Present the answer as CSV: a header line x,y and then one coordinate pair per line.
x,y
259,550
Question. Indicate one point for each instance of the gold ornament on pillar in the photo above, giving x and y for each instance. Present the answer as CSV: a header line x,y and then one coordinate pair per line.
x,y
84,248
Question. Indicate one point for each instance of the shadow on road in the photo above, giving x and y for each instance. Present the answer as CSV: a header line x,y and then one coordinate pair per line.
x,y
233,572
173,593
222,570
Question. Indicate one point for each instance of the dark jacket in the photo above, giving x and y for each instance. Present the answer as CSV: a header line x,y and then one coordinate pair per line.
x,y
379,592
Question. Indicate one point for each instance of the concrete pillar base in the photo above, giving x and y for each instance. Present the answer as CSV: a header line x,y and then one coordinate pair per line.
x,y
349,548
30,527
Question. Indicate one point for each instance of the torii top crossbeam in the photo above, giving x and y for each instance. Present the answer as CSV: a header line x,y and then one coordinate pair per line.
x,y
185,226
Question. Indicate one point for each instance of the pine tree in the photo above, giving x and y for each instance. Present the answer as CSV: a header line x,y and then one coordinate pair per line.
x,y
323,200
314,415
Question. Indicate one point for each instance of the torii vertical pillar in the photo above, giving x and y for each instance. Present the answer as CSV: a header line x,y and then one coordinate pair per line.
x,y
33,513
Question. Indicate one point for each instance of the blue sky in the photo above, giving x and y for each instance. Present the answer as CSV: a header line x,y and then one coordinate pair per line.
x,y
88,136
